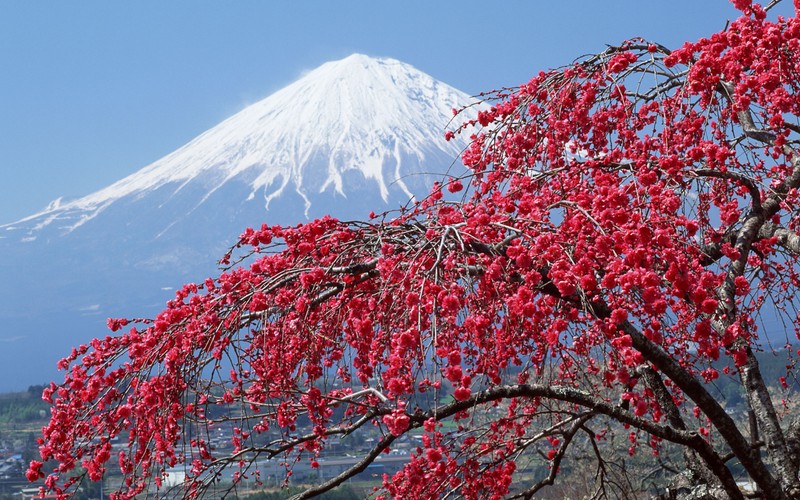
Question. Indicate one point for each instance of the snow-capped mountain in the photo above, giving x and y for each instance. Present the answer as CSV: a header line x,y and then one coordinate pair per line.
x,y
380,119
349,137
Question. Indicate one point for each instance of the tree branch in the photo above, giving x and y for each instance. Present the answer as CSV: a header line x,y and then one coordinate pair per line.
x,y
558,393
746,117
555,466
713,473
787,239
756,389
755,194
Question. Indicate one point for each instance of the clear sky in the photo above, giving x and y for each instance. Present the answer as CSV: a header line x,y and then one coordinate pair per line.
x,y
92,91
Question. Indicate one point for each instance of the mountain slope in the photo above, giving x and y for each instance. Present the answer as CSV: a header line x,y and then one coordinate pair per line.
x,y
352,136
357,115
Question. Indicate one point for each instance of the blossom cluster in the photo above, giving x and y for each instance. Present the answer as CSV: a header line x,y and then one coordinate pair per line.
x,y
601,223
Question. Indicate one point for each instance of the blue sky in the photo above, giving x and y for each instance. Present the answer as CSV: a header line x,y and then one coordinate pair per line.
x,y
92,91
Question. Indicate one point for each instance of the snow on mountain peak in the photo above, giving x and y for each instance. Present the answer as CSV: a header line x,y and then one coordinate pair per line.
x,y
358,114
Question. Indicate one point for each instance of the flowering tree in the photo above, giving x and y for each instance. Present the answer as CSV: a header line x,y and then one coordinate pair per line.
x,y
625,224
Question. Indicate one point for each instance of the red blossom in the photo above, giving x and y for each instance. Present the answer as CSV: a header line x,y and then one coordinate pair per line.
x,y
462,393
620,231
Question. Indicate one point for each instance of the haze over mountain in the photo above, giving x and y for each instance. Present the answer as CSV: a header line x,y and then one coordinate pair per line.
x,y
349,137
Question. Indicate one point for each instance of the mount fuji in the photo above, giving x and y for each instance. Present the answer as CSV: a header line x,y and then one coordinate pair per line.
x,y
352,136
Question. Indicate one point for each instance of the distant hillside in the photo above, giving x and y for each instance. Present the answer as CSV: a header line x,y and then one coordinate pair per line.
x,y
23,407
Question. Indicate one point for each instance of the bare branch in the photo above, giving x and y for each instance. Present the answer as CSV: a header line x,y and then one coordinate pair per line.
x,y
787,239
755,194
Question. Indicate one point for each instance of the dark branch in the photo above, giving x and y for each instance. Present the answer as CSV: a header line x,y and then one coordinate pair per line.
x,y
755,194
787,239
